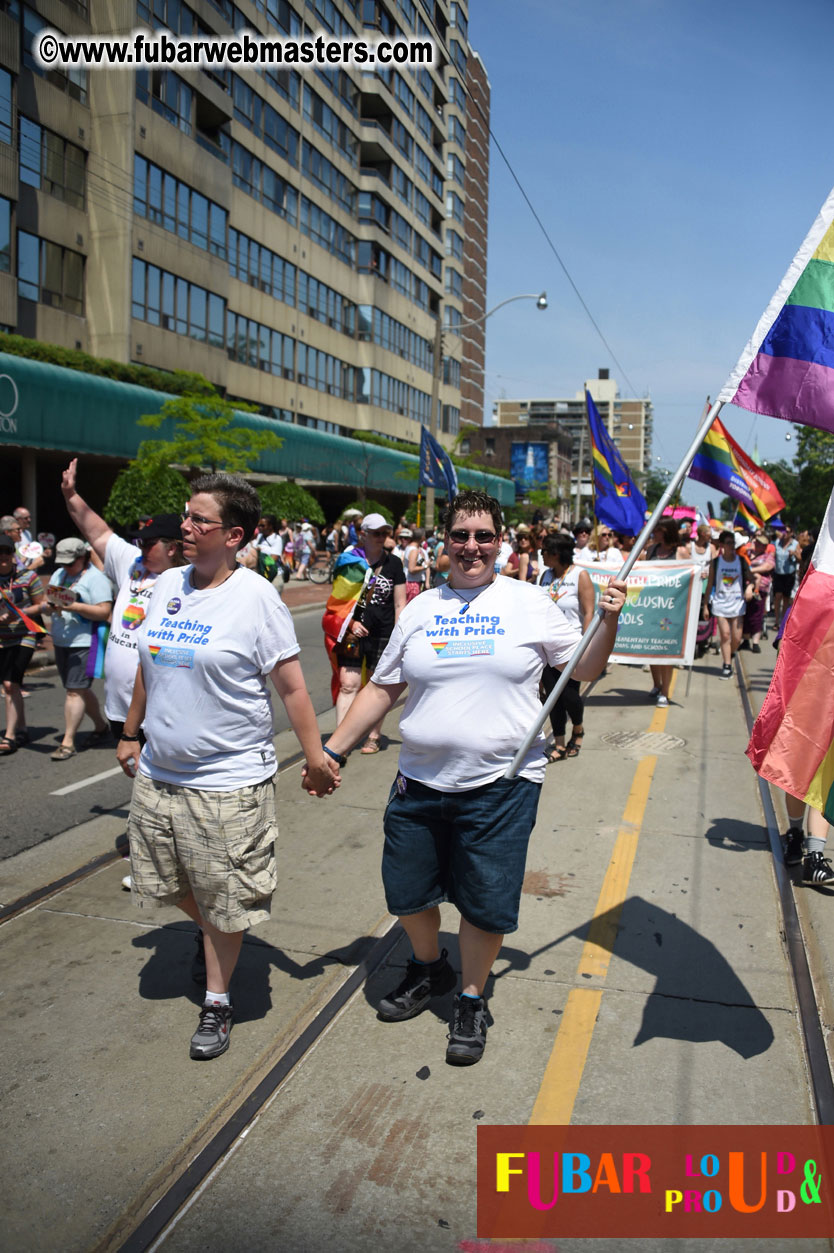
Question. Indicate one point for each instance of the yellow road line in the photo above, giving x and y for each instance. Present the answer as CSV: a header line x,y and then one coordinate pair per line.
x,y
565,1066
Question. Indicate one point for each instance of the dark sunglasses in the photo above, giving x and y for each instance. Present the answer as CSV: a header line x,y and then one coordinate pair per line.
x,y
480,537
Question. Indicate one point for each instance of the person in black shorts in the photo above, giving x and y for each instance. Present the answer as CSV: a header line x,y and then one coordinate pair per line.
x,y
380,605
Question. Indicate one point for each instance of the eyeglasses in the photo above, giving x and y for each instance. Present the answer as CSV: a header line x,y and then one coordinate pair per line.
x,y
480,537
199,524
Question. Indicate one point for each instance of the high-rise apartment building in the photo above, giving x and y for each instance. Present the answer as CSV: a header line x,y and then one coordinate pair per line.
x,y
292,235
628,422
473,330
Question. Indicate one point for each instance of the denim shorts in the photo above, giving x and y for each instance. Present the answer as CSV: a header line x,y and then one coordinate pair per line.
x,y
467,847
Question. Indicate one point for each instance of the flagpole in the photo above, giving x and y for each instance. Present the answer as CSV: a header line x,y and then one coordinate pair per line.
x,y
639,544
593,477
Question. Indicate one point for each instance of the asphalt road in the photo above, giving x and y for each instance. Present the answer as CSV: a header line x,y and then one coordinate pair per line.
x,y
42,798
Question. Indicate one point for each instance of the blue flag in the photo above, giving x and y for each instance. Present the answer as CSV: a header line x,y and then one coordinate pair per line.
x,y
618,502
436,469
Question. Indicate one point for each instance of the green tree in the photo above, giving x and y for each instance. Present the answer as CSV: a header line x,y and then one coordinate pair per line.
x,y
205,436
288,500
814,477
654,485
137,492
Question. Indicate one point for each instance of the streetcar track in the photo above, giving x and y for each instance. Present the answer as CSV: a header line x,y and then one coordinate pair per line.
x,y
816,1054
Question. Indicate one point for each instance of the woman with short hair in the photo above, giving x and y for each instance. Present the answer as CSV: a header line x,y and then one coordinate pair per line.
x,y
202,815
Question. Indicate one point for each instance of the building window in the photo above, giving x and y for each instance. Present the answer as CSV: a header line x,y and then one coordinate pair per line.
x,y
162,198
51,163
50,274
73,82
5,107
167,95
166,300
5,235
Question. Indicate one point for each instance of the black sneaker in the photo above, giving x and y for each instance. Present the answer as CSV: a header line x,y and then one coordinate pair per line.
x,y
212,1036
744,646
198,965
793,846
756,648
726,672
467,1038
420,984
817,869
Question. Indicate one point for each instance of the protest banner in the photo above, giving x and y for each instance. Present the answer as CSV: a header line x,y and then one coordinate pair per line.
x,y
659,621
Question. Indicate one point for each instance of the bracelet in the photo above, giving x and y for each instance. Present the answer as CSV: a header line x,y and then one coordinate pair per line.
x,y
342,761
132,739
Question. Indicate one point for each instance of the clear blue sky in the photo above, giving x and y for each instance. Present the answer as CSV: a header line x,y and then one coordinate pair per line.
x,y
677,152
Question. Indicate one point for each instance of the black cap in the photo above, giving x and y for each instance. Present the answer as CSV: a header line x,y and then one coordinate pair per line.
x,y
6,544
159,526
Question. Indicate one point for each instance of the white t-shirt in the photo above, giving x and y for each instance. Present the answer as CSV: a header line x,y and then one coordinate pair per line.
x,y
473,673
271,544
206,657
727,599
123,567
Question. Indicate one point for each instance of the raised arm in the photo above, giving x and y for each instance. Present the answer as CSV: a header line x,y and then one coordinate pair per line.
x,y
93,527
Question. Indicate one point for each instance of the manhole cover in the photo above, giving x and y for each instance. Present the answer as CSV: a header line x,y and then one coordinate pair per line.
x,y
644,741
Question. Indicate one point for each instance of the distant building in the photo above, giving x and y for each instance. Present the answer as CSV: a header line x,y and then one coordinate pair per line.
x,y
538,460
629,422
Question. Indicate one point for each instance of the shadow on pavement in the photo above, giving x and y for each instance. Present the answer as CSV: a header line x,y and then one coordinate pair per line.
x,y
734,836
166,974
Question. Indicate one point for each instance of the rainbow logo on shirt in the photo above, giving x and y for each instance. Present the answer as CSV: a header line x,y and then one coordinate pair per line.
x,y
463,648
153,649
133,617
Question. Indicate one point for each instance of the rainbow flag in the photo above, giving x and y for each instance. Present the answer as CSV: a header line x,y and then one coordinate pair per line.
x,y
721,462
787,368
792,744
617,501
95,657
348,580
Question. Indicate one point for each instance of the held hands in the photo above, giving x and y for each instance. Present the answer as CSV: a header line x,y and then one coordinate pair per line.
x,y
127,755
613,598
321,780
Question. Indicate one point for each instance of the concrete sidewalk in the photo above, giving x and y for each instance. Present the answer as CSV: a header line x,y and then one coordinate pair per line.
x,y
370,1141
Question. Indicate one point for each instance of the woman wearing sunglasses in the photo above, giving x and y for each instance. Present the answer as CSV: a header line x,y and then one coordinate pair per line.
x,y
471,654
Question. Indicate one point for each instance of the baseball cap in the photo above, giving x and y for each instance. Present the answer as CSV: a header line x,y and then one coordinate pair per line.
x,y
69,550
374,522
158,526
405,533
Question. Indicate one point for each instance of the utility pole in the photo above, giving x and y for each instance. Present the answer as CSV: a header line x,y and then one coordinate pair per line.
x,y
435,397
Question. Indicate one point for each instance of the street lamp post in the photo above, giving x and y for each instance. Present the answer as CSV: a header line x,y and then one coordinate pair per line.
x,y
437,369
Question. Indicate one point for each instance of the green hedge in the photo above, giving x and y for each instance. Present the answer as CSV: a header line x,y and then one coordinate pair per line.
x,y
178,382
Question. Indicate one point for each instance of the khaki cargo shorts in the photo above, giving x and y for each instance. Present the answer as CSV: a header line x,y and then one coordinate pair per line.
x,y
218,845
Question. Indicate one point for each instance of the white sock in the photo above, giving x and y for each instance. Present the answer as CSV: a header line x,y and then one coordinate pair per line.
x,y
216,998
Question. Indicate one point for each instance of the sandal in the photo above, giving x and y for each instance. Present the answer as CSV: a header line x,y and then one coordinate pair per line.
x,y
574,746
371,745
62,753
7,746
557,753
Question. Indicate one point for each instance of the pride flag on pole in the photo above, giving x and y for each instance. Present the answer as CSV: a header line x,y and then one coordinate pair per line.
x,y
787,368
618,503
792,744
722,463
